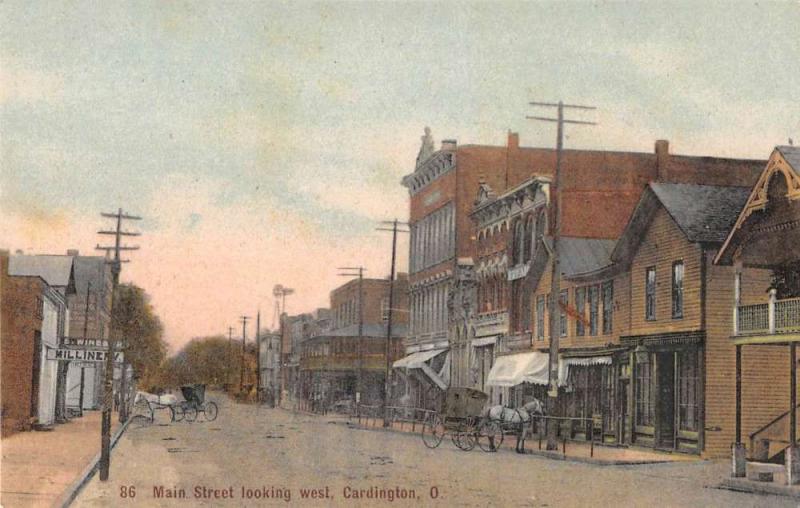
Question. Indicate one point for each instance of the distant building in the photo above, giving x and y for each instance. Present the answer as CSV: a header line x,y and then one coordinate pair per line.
x,y
269,363
333,360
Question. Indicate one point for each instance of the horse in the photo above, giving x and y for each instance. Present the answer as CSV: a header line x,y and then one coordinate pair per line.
x,y
518,417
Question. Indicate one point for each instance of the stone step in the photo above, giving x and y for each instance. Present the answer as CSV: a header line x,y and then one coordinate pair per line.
x,y
763,471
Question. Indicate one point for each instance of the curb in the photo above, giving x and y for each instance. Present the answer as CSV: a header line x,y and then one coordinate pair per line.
x,y
738,485
68,496
555,455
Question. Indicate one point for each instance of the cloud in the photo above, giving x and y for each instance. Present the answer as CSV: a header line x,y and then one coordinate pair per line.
x,y
28,85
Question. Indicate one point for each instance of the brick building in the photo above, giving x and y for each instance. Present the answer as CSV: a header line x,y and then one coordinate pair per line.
x,y
35,318
334,362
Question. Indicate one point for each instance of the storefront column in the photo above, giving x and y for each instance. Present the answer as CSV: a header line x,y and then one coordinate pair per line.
x,y
738,450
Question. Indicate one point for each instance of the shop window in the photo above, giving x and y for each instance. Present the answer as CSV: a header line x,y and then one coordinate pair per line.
x,y
608,306
650,294
688,390
645,394
580,309
677,289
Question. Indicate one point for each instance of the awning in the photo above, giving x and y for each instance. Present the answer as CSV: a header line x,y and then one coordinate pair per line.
x,y
511,370
419,360
416,360
565,363
484,341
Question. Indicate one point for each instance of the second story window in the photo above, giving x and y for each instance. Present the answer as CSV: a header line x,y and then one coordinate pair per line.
x,y
677,289
563,301
540,306
385,309
580,309
594,307
608,306
650,294
519,243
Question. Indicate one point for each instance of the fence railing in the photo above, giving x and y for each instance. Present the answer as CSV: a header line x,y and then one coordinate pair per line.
x,y
404,416
776,316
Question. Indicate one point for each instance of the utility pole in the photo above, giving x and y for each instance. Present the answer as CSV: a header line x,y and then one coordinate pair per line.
x,y
352,271
108,396
243,319
85,336
555,288
230,355
258,356
387,385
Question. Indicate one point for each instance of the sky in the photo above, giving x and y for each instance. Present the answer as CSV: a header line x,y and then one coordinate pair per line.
x,y
263,142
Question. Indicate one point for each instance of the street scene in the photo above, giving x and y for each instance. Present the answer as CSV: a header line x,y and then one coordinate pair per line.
x,y
454,254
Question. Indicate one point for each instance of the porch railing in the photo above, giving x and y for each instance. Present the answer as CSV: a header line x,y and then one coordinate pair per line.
x,y
777,316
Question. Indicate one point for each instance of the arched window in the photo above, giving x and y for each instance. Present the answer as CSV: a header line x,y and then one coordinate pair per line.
x,y
541,225
528,240
519,243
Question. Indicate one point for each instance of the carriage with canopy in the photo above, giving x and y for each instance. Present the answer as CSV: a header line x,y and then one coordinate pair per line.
x,y
461,416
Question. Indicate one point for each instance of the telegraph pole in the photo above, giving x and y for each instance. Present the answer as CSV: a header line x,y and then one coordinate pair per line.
x,y
108,396
555,288
387,385
352,271
230,355
258,356
243,319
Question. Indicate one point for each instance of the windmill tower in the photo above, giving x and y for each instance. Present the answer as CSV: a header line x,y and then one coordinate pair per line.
x,y
279,293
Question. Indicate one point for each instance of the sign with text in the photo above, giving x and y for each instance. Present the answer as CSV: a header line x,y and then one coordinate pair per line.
x,y
81,355
81,343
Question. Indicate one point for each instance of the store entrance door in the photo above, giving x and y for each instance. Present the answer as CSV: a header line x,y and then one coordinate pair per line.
x,y
665,405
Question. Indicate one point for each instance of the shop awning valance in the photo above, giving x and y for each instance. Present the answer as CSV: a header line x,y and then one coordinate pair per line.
x,y
511,370
565,363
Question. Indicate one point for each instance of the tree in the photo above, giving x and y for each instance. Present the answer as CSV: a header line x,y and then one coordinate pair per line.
x,y
140,331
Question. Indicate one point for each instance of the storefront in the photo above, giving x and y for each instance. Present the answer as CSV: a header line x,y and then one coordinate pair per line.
x,y
668,392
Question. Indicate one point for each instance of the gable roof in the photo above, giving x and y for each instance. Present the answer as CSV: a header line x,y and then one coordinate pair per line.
x,y
703,213
791,154
89,269
582,255
57,271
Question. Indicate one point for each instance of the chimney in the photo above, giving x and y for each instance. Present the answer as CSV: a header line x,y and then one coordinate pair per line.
x,y
513,140
449,144
72,252
662,160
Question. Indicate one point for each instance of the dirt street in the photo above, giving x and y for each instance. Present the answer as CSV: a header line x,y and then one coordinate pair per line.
x,y
252,456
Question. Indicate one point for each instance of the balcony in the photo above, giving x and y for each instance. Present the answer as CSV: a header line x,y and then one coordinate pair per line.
x,y
776,318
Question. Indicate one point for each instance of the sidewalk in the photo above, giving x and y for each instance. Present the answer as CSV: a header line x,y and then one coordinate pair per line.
x,y
578,451
38,466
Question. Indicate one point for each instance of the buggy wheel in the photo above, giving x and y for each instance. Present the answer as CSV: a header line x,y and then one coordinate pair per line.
x,y
210,411
490,436
433,431
190,413
176,412
464,440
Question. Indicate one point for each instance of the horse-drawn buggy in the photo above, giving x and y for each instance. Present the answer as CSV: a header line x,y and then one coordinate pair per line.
x,y
146,404
462,416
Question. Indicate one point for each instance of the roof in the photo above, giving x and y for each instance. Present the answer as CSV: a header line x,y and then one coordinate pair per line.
x,y
369,330
57,271
581,255
791,154
705,213
89,269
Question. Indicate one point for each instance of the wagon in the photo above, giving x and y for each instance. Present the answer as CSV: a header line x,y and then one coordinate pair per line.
x,y
460,416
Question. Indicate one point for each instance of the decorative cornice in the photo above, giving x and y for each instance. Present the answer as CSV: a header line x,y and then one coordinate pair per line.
x,y
435,166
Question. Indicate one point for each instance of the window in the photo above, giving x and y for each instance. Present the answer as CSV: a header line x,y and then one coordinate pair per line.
x,y
39,307
385,309
650,294
608,306
562,313
527,244
519,242
688,390
580,308
594,307
645,394
677,289
540,306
